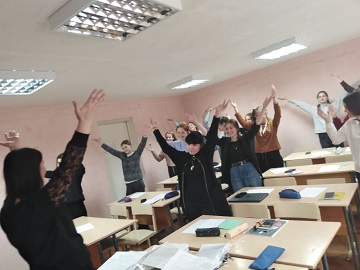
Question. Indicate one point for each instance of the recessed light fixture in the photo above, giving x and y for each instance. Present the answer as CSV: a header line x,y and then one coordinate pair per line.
x,y
119,19
19,82
187,82
280,49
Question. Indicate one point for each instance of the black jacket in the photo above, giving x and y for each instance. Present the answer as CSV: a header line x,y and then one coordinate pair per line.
x,y
245,140
205,156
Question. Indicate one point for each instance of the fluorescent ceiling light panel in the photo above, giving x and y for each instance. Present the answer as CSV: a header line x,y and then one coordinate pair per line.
x,y
187,82
280,49
118,19
13,82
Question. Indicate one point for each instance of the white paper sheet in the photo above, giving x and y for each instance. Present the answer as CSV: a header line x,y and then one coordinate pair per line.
x,y
311,192
84,228
260,190
186,261
204,223
155,199
320,153
329,168
347,149
279,170
123,260
136,195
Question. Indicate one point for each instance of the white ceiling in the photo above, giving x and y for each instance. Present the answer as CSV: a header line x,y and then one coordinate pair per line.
x,y
211,37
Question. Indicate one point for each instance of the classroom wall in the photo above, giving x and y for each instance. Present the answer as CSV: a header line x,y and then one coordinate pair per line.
x,y
301,78
50,128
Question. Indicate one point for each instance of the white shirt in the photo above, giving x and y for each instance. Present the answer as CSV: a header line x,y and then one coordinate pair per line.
x,y
349,132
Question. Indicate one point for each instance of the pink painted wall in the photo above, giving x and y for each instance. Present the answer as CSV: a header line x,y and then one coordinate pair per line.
x,y
49,128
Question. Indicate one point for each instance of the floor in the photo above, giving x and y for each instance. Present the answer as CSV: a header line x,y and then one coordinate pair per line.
x,y
336,253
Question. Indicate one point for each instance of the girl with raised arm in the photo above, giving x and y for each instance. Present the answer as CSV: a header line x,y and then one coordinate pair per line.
x,y
350,131
239,166
319,123
266,143
130,163
32,216
200,191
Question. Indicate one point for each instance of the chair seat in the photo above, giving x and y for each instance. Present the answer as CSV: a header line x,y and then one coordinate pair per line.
x,y
176,211
136,237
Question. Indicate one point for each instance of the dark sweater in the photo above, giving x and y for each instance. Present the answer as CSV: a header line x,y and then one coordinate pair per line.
x,y
130,164
40,229
206,180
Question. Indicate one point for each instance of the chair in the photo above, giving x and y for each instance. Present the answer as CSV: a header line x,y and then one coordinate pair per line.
x,y
326,181
280,181
297,211
138,236
340,158
250,210
299,162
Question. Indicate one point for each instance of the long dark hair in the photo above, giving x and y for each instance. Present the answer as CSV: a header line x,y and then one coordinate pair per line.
x,y
22,173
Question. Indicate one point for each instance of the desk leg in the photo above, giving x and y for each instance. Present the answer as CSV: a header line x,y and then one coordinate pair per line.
x,y
349,219
101,254
357,197
325,262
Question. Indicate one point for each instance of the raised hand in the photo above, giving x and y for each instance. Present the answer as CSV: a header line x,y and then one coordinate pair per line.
x,y
336,77
85,114
323,115
12,140
233,103
273,90
332,110
151,126
190,117
221,108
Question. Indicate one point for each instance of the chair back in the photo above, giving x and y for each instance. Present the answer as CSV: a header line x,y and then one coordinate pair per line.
x,y
280,181
326,181
297,211
140,209
250,210
339,158
299,162
119,211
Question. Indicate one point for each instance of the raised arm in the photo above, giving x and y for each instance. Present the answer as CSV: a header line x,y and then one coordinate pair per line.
x,y
12,140
159,157
75,149
264,106
348,88
241,120
336,136
190,117
277,108
142,144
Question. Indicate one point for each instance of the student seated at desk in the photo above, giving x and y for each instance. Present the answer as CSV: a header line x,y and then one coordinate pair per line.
x,y
32,216
200,191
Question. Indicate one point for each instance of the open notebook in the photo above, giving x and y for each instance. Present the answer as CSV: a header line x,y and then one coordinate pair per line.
x,y
249,197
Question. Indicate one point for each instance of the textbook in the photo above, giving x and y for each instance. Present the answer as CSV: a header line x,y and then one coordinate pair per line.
x,y
267,227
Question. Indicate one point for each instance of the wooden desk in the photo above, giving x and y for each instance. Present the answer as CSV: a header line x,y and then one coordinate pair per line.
x,y
103,228
304,250
316,156
312,172
331,210
173,181
161,207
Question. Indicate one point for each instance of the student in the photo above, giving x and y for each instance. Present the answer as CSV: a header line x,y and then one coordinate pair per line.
x,y
74,197
238,161
182,130
169,136
319,123
32,216
266,143
130,163
350,131
200,191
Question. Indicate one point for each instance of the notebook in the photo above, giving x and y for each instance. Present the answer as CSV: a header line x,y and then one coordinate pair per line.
x,y
249,197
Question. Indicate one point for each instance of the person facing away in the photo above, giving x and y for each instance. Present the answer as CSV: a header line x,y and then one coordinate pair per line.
x,y
266,143
350,131
32,217
130,163
74,198
170,137
200,191
319,123
239,165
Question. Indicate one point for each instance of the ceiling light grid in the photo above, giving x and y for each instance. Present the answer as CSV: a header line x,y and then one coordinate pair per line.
x,y
116,19
14,82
